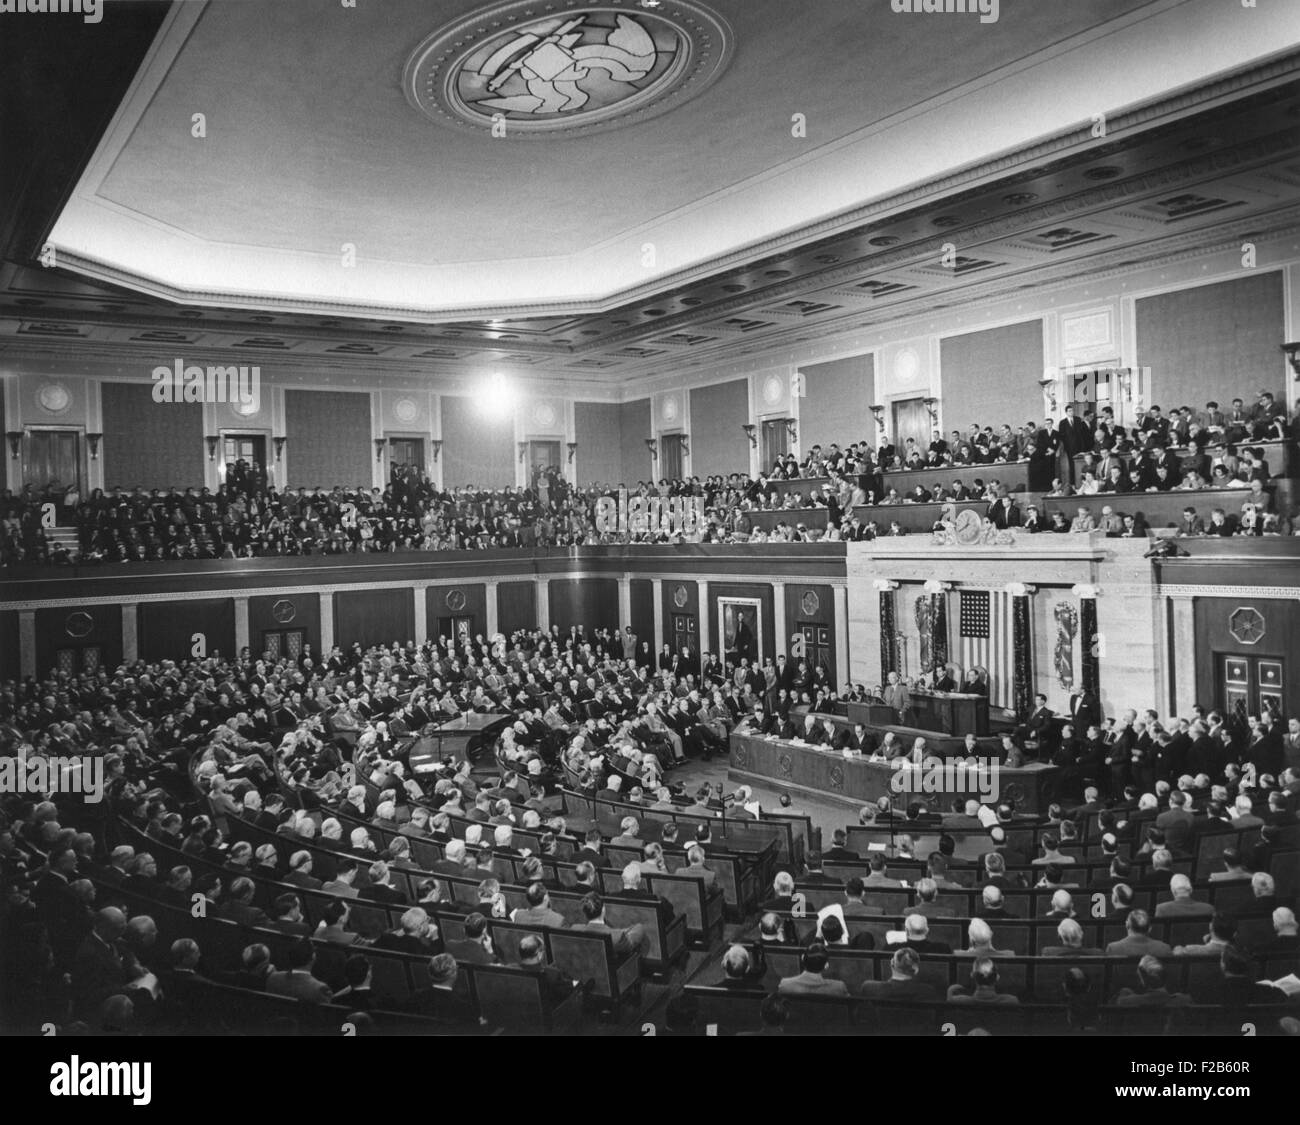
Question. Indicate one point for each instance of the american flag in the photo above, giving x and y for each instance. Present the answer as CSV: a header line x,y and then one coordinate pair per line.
x,y
984,626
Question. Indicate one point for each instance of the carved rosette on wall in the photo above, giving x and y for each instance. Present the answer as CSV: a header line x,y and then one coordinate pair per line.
x,y
1247,625
284,611
53,398
79,624
787,765
837,777
455,599
810,603
1014,793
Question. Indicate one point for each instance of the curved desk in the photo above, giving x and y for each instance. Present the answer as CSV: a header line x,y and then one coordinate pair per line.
x,y
858,781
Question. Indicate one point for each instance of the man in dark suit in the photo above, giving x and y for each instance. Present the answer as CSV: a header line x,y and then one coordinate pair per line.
x,y
1074,437
101,968
1085,711
1137,940
839,852
476,946
555,986
1151,991
300,868
927,901
415,934
902,983
743,970
633,888
359,994
992,904
624,941
239,907
590,852
917,929
56,905
1004,512
440,998
1037,728
1178,824
538,912
380,887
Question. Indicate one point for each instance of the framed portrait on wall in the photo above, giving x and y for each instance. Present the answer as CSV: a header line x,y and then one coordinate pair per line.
x,y
740,628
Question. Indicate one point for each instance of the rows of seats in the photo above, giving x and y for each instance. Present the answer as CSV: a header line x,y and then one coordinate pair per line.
x,y
502,994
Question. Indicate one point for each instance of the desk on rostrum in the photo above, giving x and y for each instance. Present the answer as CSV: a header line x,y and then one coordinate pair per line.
x,y
859,781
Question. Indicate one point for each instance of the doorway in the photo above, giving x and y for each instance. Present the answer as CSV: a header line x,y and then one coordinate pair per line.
x,y
278,643
459,629
236,447
683,633
80,661
776,442
52,461
911,420
543,455
1247,684
672,456
817,648
405,451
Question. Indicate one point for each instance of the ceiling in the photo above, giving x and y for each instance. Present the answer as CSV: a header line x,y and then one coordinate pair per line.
x,y
311,146
762,239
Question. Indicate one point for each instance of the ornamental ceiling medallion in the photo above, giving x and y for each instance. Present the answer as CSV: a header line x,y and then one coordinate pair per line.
x,y
576,70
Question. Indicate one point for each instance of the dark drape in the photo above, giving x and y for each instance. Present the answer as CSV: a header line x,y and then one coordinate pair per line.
x,y
888,648
1091,644
1023,686
939,625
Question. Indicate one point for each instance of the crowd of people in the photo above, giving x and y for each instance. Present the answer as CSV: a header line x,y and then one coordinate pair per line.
x,y
249,517
317,750
254,731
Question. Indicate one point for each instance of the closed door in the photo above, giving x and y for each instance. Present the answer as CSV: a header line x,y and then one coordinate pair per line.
x,y
817,648
911,420
406,451
52,458
776,441
1248,684
78,661
671,456
277,643
683,632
